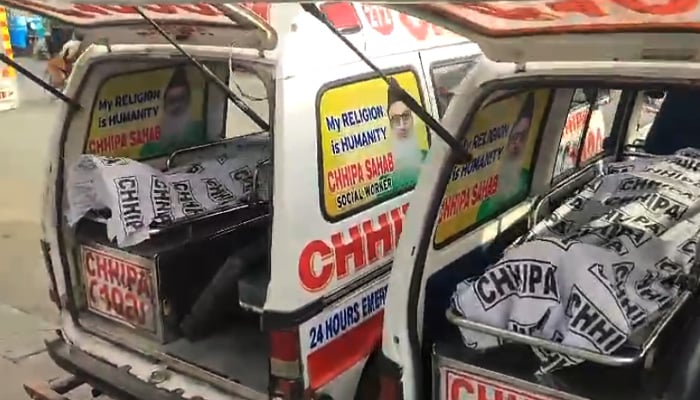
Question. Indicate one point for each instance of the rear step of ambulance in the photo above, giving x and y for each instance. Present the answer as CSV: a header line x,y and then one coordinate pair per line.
x,y
54,390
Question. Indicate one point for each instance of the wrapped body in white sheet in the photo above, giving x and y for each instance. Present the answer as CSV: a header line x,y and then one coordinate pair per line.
x,y
138,195
600,267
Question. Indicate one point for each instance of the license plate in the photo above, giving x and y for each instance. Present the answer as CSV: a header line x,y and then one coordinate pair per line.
x,y
119,288
465,386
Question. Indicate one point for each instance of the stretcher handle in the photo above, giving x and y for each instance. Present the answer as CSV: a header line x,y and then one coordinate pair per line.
x,y
614,360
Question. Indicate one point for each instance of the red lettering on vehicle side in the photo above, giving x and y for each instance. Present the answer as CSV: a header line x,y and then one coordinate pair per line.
x,y
379,18
346,250
416,27
458,387
575,122
311,279
349,252
461,387
593,145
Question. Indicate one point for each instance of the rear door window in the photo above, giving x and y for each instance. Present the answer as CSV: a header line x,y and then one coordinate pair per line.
x,y
371,146
251,89
651,104
503,138
149,113
446,76
589,122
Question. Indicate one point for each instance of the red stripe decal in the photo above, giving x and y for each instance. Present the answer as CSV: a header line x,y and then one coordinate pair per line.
x,y
336,357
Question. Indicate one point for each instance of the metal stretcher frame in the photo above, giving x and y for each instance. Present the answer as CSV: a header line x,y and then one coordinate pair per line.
x,y
157,230
626,356
630,353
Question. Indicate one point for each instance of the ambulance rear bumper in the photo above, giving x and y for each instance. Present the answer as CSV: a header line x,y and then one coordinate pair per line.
x,y
106,378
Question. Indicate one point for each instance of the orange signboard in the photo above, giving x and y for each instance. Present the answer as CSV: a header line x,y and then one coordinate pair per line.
x,y
515,18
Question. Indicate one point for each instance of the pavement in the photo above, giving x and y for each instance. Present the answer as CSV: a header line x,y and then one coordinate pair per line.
x,y
27,317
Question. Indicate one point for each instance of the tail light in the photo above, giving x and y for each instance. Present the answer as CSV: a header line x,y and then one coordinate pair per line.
x,y
390,388
285,365
343,16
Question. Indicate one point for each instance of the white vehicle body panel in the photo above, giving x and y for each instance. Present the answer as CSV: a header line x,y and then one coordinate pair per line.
x,y
396,344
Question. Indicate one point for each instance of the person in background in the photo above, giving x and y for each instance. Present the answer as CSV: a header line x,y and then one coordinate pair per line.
x,y
31,34
59,36
44,50
59,67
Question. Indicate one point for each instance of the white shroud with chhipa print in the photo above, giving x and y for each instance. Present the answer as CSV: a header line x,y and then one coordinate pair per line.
x,y
601,267
139,196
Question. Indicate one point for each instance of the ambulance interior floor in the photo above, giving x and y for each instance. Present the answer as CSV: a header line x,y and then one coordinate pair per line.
x,y
238,352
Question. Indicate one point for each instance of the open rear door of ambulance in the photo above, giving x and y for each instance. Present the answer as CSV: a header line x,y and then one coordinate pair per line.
x,y
643,31
189,23
572,30
557,30
130,36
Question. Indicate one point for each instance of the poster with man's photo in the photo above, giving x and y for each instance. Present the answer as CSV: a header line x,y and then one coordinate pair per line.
x,y
502,140
145,114
372,145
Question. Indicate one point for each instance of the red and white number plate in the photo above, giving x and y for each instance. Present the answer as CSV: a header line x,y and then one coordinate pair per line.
x,y
119,289
466,386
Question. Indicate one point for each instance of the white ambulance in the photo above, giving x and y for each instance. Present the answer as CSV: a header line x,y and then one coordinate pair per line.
x,y
514,284
201,248
499,292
